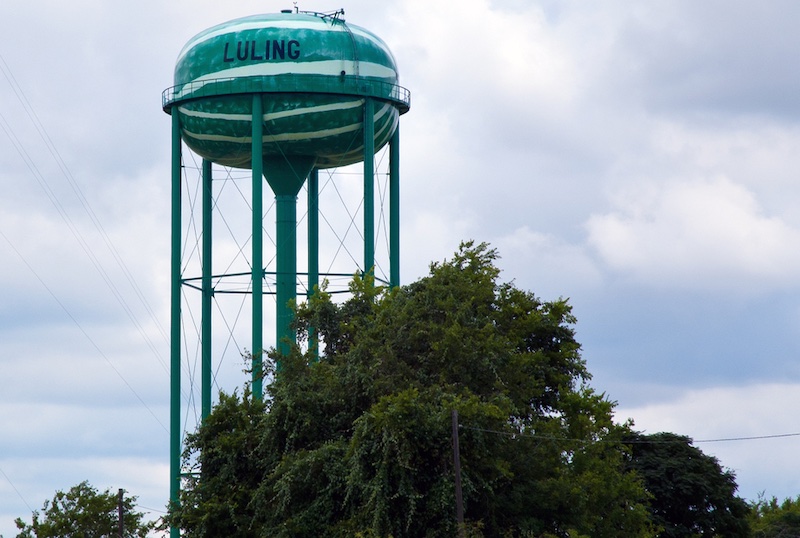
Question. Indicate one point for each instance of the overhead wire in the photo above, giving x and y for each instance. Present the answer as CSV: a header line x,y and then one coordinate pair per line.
x,y
749,438
156,510
76,188
15,489
32,166
87,207
627,441
82,330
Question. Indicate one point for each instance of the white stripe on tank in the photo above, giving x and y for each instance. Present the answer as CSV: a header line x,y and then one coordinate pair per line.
x,y
284,137
323,67
358,151
273,115
287,137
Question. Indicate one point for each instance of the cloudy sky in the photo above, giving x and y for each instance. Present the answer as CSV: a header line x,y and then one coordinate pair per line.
x,y
640,159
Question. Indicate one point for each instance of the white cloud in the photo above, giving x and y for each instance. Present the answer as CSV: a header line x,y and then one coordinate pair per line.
x,y
707,233
758,154
513,51
546,263
429,237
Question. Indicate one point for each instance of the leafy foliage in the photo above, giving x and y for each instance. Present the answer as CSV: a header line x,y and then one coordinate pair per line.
x,y
770,519
231,469
357,442
692,494
83,512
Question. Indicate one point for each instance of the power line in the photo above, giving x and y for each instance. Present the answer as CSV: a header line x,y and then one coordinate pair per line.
x,y
751,438
628,441
156,510
80,327
61,210
15,489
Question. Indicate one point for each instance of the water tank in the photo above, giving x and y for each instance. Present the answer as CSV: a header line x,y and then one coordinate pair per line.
x,y
313,72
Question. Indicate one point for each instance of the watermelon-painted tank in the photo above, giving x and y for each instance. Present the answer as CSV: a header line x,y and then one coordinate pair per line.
x,y
313,71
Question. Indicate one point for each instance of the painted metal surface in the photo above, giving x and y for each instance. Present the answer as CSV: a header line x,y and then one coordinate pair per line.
x,y
313,73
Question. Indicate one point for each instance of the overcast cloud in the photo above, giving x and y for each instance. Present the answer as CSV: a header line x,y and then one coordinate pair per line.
x,y
641,160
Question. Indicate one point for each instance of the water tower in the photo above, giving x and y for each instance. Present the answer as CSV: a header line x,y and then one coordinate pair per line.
x,y
283,95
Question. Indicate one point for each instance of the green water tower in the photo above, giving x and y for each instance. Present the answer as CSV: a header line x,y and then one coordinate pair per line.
x,y
283,95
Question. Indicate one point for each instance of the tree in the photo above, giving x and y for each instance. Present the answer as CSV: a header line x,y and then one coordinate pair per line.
x,y
770,519
219,501
691,494
358,441
83,512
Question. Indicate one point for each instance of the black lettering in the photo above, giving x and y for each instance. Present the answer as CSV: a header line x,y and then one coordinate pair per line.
x,y
241,55
253,55
225,56
294,49
278,49
273,49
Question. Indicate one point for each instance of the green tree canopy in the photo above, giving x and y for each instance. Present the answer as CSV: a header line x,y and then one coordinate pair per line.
x,y
692,494
357,441
84,512
771,519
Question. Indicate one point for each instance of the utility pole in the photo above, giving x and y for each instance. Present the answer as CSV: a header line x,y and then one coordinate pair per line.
x,y
121,512
457,470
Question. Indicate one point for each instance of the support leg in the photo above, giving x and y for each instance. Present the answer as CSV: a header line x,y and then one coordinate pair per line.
x,y
313,247
369,186
175,323
258,247
208,292
394,208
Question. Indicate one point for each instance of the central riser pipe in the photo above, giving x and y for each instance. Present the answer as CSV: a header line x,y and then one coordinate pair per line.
x,y
286,261
286,175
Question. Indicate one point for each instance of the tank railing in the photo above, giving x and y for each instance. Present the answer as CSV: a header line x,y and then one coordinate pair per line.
x,y
291,83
